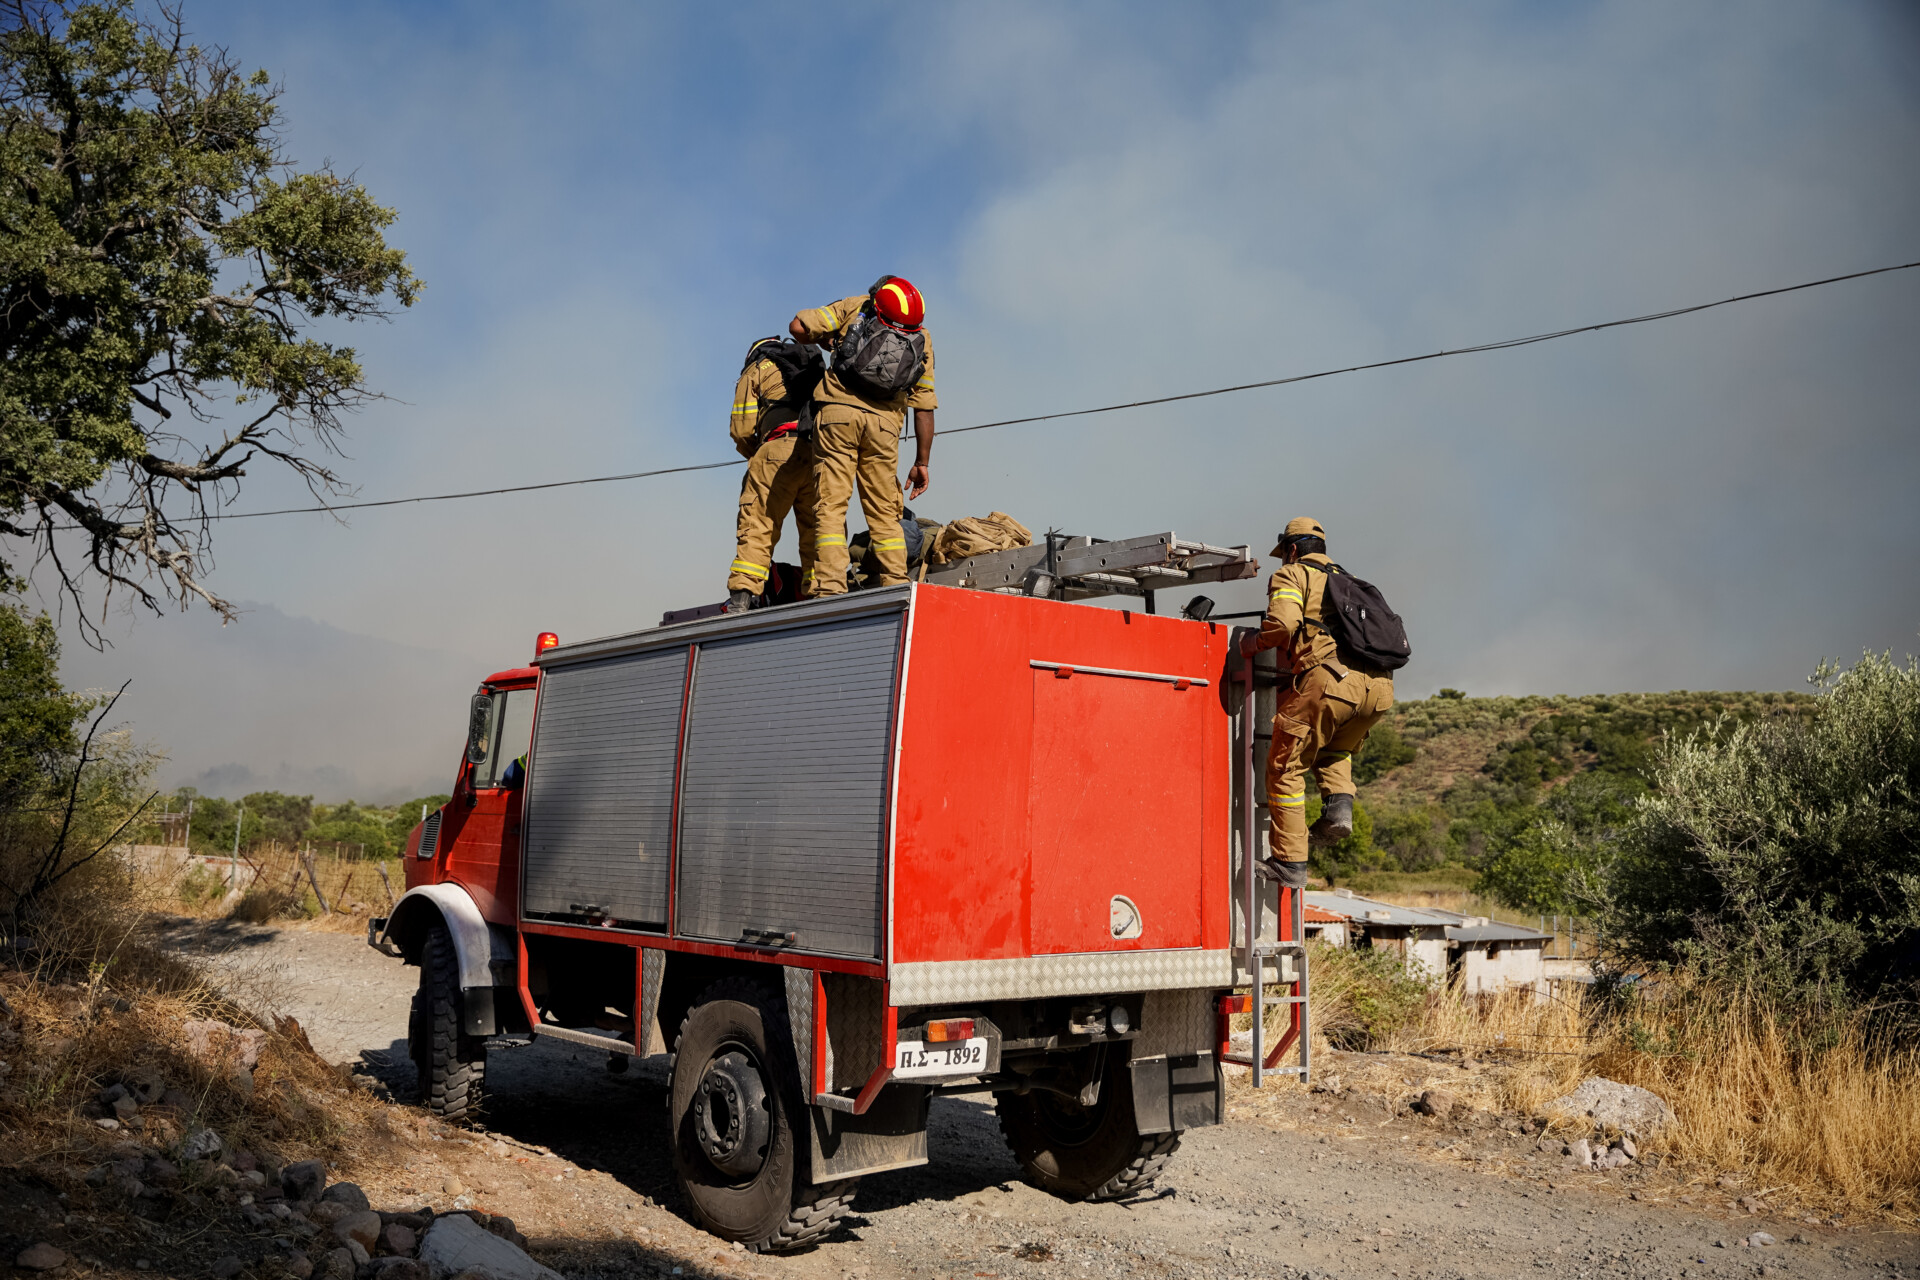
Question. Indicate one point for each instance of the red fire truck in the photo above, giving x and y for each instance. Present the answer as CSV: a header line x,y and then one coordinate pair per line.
x,y
842,856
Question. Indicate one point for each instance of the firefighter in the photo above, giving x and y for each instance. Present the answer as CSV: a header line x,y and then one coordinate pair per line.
x,y
1323,718
882,366
774,385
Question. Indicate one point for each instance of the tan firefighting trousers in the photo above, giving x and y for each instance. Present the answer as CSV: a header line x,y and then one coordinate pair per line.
x,y
1318,725
864,454
779,479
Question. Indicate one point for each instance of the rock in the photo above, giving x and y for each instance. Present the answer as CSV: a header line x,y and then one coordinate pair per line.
x,y
1632,1148
452,1186
109,1124
1626,1107
244,1161
228,1267
1437,1103
414,1222
1753,1204
300,1267
346,1193
125,1109
304,1180
395,1238
1760,1240
162,1172
201,1143
397,1269
358,1252
1582,1152
456,1243
216,1044
358,1225
40,1257
327,1212
112,1094
335,1264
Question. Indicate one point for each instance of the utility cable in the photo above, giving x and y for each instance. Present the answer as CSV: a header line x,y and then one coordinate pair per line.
x,y
1108,408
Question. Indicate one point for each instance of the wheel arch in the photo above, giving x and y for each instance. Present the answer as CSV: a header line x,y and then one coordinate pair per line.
x,y
488,958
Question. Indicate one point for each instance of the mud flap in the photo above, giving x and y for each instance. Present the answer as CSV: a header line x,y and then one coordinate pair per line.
x,y
1177,1091
891,1135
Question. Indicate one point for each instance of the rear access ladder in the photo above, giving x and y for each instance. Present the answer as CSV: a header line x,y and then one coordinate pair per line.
x,y
1289,942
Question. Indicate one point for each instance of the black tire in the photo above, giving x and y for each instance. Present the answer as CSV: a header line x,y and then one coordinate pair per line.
x,y
1085,1153
452,1065
733,1096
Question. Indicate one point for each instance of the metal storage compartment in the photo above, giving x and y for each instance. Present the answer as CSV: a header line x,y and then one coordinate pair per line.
x,y
599,823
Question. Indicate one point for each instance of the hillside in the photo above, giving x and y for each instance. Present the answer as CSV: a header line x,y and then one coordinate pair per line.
x,y
1453,780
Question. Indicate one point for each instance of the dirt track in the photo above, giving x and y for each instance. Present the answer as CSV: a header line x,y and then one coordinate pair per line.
x,y
1294,1185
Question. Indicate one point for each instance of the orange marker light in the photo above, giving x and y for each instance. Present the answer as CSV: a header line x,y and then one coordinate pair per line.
x,y
1236,1004
548,640
950,1029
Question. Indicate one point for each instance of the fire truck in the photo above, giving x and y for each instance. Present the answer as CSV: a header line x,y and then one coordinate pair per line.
x,y
839,857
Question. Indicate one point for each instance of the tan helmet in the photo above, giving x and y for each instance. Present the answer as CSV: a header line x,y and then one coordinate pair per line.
x,y
1298,527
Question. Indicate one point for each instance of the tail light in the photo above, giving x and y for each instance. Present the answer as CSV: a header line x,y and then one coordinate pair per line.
x,y
1236,1004
948,1029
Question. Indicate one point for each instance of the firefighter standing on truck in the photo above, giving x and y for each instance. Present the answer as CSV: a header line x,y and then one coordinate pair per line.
x,y
1319,723
773,389
882,366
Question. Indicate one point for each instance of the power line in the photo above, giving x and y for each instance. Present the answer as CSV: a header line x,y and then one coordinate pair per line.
x,y
1108,408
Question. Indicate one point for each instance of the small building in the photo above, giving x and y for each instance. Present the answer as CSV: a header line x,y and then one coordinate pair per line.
x,y
1417,935
1329,927
1491,956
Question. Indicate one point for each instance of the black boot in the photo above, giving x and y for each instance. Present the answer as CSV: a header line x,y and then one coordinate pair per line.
x,y
1336,822
1289,875
739,601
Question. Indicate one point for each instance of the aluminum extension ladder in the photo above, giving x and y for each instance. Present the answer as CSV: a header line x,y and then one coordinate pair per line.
x,y
1290,925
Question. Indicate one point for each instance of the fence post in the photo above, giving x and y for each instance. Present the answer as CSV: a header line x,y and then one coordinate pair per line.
x,y
314,880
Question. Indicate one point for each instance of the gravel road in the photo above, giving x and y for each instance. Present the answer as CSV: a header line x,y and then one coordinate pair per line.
x,y
1294,1185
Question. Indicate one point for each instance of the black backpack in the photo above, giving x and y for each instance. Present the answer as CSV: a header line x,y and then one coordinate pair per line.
x,y
801,369
1361,621
878,360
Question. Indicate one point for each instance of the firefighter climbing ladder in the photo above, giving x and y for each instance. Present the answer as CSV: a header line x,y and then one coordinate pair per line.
x,y
1288,949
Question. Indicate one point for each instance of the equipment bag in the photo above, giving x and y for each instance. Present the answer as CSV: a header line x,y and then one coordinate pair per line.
x,y
878,360
1361,621
800,372
977,535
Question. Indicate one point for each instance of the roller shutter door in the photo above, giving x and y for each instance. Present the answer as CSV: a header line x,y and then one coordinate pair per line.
x,y
600,798
783,800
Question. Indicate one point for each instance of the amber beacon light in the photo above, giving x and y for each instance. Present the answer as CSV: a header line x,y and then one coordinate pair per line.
x,y
548,640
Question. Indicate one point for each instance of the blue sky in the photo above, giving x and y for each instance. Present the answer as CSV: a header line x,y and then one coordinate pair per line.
x,y
1100,201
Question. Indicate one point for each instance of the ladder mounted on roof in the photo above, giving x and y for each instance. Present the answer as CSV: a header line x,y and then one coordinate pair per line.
x,y
1257,901
1068,567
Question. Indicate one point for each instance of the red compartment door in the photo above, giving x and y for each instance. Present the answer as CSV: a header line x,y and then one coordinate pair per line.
x,y
1115,813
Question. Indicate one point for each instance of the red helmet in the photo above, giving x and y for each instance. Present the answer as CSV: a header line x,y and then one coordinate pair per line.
x,y
898,302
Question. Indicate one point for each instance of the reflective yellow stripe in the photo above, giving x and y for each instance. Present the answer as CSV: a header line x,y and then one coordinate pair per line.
x,y
1289,802
831,540
925,384
832,320
1288,593
746,406
885,544
1335,755
751,570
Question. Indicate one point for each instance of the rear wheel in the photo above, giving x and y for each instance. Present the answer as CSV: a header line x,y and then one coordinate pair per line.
x,y
734,1104
452,1065
1085,1153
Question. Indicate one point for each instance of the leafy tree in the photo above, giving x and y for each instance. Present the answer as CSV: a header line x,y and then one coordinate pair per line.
x,y
160,258
1384,750
407,816
37,715
1784,853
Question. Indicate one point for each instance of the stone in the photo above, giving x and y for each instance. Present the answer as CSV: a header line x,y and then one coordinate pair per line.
x,y
227,1268
244,1161
395,1238
1437,1103
304,1180
112,1094
327,1212
1582,1152
397,1269
201,1143
358,1225
1632,1148
1626,1107
108,1123
348,1194
216,1044
1760,1240
456,1243
358,1252
40,1257
1753,1204
335,1264
125,1109
162,1172
452,1186
300,1267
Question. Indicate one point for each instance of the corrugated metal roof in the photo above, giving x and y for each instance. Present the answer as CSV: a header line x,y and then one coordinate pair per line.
x,y
1495,932
1368,911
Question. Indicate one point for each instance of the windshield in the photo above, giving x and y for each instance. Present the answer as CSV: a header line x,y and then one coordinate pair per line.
x,y
505,736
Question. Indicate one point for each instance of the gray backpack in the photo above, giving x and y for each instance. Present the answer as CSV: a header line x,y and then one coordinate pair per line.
x,y
879,361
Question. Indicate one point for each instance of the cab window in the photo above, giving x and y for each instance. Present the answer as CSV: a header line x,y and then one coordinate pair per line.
x,y
501,732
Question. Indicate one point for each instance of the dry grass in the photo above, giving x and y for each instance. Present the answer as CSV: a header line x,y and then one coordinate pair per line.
x,y
273,886
1816,1115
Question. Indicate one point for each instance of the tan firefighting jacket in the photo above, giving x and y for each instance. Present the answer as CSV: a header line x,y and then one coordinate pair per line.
x,y
755,397
832,400
1295,597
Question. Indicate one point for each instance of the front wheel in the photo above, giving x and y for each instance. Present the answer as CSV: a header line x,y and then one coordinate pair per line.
x,y
733,1101
1085,1153
452,1065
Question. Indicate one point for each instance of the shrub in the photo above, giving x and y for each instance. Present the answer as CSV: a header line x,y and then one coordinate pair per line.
x,y
1783,855
1361,996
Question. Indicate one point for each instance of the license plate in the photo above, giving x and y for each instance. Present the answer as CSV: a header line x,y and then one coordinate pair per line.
x,y
958,1058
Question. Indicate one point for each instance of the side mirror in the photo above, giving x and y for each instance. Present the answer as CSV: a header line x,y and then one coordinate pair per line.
x,y
478,727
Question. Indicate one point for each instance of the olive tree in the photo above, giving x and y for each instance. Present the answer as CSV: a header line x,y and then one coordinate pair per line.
x,y
163,268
